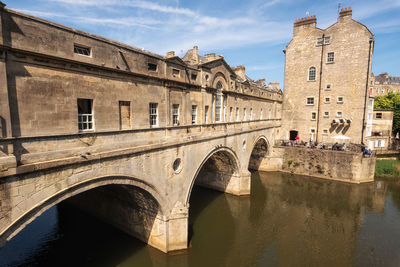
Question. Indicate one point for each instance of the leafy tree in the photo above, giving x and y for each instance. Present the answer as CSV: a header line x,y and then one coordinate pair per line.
x,y
390,101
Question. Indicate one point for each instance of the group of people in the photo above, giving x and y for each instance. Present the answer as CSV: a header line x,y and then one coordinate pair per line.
x,y
339,147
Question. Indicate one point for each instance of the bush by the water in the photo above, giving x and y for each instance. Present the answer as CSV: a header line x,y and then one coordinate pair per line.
x,y
387,168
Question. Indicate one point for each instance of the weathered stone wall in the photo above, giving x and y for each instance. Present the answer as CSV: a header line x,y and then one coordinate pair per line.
x,y
335,165
346,76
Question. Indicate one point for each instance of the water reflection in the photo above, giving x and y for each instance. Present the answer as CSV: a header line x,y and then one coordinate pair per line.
x,y
287,221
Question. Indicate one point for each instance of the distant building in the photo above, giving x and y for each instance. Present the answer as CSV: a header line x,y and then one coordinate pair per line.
x,y
383,84
382,124
326,90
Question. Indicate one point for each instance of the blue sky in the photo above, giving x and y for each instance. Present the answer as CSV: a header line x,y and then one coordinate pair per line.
x,y
251,33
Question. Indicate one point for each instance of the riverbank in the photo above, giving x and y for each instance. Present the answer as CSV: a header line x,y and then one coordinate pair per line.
x,y
387,168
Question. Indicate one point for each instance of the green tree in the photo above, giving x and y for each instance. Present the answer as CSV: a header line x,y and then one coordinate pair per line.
x,y
390,101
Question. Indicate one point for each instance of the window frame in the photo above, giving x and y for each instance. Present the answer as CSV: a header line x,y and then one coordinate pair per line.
x,y
310,73
337,114
326,114
194,114
79,47
330,58
175,114
86,120
380,117
153,116
313,116
313,100
340,101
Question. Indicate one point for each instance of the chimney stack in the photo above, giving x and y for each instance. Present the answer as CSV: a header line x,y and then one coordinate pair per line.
x,y
345,12
240,71
170,54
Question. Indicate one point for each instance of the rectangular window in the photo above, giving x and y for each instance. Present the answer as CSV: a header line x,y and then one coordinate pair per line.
x,y
327,40
193,76
331,57
151,66
377,90
327,100
378,116
339,114
218,99
310,100
326,114
313,116
383,90
175,72
320,41
85,114
230,113
340,100
82,50
153,112
261,114
194,114
124,115
175,114
206,114
237,114
324,131
244,114
251,114
328,87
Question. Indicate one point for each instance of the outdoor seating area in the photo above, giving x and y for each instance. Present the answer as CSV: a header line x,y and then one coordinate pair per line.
x,y
342,146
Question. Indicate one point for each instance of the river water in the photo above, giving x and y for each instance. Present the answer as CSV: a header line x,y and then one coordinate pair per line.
x,y
288,220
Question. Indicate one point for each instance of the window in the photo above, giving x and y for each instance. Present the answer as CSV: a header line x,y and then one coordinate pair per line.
x,y
237,114
378,116
175,72
327,40
320,41
251,114
151,66
326,114
85,114
313,116
310,100
244,114
331,57
206,114
193,76
312,134
218,102
339,114
328,87
380,143
383,91
377,90
325,131
327,100
153,111
124,115
230,113
340,100
194,114
175,114
82,50
261,114
311,74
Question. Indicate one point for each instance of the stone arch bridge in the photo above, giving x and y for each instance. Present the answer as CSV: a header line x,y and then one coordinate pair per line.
x,y
143,189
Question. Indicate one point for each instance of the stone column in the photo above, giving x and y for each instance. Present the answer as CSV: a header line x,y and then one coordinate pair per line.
x,y
239,184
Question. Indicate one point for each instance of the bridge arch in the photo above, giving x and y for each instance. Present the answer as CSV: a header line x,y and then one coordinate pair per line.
x,y
148,190
223,163
259,151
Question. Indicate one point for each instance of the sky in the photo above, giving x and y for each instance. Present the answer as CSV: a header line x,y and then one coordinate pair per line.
x,y
250,32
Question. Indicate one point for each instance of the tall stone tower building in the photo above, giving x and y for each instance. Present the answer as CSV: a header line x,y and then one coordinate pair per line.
x,y
326,90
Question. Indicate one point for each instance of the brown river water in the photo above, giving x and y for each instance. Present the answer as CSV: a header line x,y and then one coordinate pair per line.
x,y
288,220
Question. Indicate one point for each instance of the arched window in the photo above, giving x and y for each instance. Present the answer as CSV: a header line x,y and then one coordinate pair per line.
x,y
311,74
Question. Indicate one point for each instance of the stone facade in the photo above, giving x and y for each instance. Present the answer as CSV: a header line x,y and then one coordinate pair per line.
x,y
382,123
342,166
82,114
383,84
326,79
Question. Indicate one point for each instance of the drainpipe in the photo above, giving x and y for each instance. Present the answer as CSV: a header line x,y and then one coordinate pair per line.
x,y
371,40
320,84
